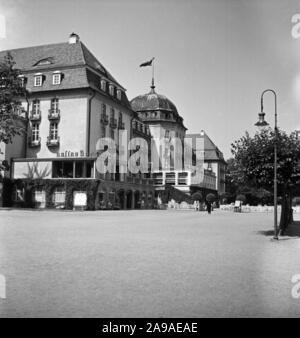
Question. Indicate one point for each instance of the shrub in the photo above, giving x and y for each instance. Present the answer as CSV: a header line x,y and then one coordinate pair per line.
x,y
90,186
197,196
210,198
241,197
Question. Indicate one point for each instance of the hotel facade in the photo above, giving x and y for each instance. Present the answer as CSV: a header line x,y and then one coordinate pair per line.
x,y
72,102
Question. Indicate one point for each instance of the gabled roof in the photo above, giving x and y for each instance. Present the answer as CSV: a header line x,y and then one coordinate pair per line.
x,y
211,151
61,54
92,62
58,55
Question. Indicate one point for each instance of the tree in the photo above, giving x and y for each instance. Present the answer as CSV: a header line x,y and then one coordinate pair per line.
x,y
254,157
231,182
210,198
11,91
225,198
241,198
197,196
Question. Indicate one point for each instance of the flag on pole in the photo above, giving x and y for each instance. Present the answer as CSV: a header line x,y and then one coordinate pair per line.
x,y
148,63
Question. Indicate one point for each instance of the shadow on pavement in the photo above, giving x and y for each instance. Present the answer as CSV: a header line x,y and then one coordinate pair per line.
x,y
266,232
293,230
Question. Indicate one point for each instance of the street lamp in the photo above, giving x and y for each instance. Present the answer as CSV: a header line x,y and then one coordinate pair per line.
x,y
262,123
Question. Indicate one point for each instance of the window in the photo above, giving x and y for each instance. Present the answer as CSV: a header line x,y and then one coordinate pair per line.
x,y
53,131
39,197
43,62
89,169
19,195
38,80
170,178
35,132
119,94
103,130
59,197
158,178
35,107
112,113
103,108
103,85
56,78
167,133
72,169
79,169
120,122
54,104
22,80
111,90
63,169
112,134
182,178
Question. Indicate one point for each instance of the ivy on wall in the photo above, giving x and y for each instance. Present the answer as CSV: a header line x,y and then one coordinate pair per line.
x,y
49,185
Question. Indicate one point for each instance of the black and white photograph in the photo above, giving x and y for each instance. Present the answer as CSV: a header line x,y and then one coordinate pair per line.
x,y
149,161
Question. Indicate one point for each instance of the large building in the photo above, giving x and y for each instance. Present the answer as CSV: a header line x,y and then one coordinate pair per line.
x,y
163,120
72,103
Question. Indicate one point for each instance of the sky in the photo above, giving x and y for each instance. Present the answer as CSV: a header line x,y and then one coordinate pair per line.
x,y
213,58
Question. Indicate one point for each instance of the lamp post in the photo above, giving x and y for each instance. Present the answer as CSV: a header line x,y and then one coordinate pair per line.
x,y
262,123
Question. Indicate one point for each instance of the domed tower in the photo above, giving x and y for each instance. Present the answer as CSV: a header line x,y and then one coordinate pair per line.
x,y
160,114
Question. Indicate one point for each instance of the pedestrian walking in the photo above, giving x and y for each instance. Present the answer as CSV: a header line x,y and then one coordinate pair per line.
x,y
208,207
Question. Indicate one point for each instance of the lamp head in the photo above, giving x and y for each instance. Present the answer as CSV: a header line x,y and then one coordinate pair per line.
x,y
261,121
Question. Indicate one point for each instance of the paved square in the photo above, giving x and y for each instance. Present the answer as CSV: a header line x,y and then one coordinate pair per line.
x,y
145,264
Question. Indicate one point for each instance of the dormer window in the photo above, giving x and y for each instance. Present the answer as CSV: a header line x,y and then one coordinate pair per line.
x,y
119,94
22,80
44,62
38,80
103,85
56,78
111,90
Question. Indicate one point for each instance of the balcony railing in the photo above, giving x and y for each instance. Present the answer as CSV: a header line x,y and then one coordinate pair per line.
x,y
52,142
35,115
113,123
54,114
104,119
34,142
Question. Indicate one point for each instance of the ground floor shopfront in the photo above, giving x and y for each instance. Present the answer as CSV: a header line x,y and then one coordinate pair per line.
x,y
90,194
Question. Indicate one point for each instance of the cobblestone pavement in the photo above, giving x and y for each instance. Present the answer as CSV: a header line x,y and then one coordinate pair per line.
x,y
145,264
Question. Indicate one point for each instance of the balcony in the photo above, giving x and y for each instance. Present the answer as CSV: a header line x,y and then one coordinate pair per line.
x,y
51,142
54,114
35,115
104,119
35,142
121,125
113,123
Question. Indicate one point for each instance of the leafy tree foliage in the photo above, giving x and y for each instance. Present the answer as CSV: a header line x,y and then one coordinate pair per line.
x,y
11,91
254,165
197,196
241,197
211,198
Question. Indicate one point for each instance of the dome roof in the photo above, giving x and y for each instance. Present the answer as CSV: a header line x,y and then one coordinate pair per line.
x,y
152,101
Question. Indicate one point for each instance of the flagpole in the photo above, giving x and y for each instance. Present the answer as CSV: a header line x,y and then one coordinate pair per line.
x,y
153,86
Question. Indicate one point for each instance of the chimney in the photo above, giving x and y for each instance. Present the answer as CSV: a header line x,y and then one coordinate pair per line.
x,y
73,38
